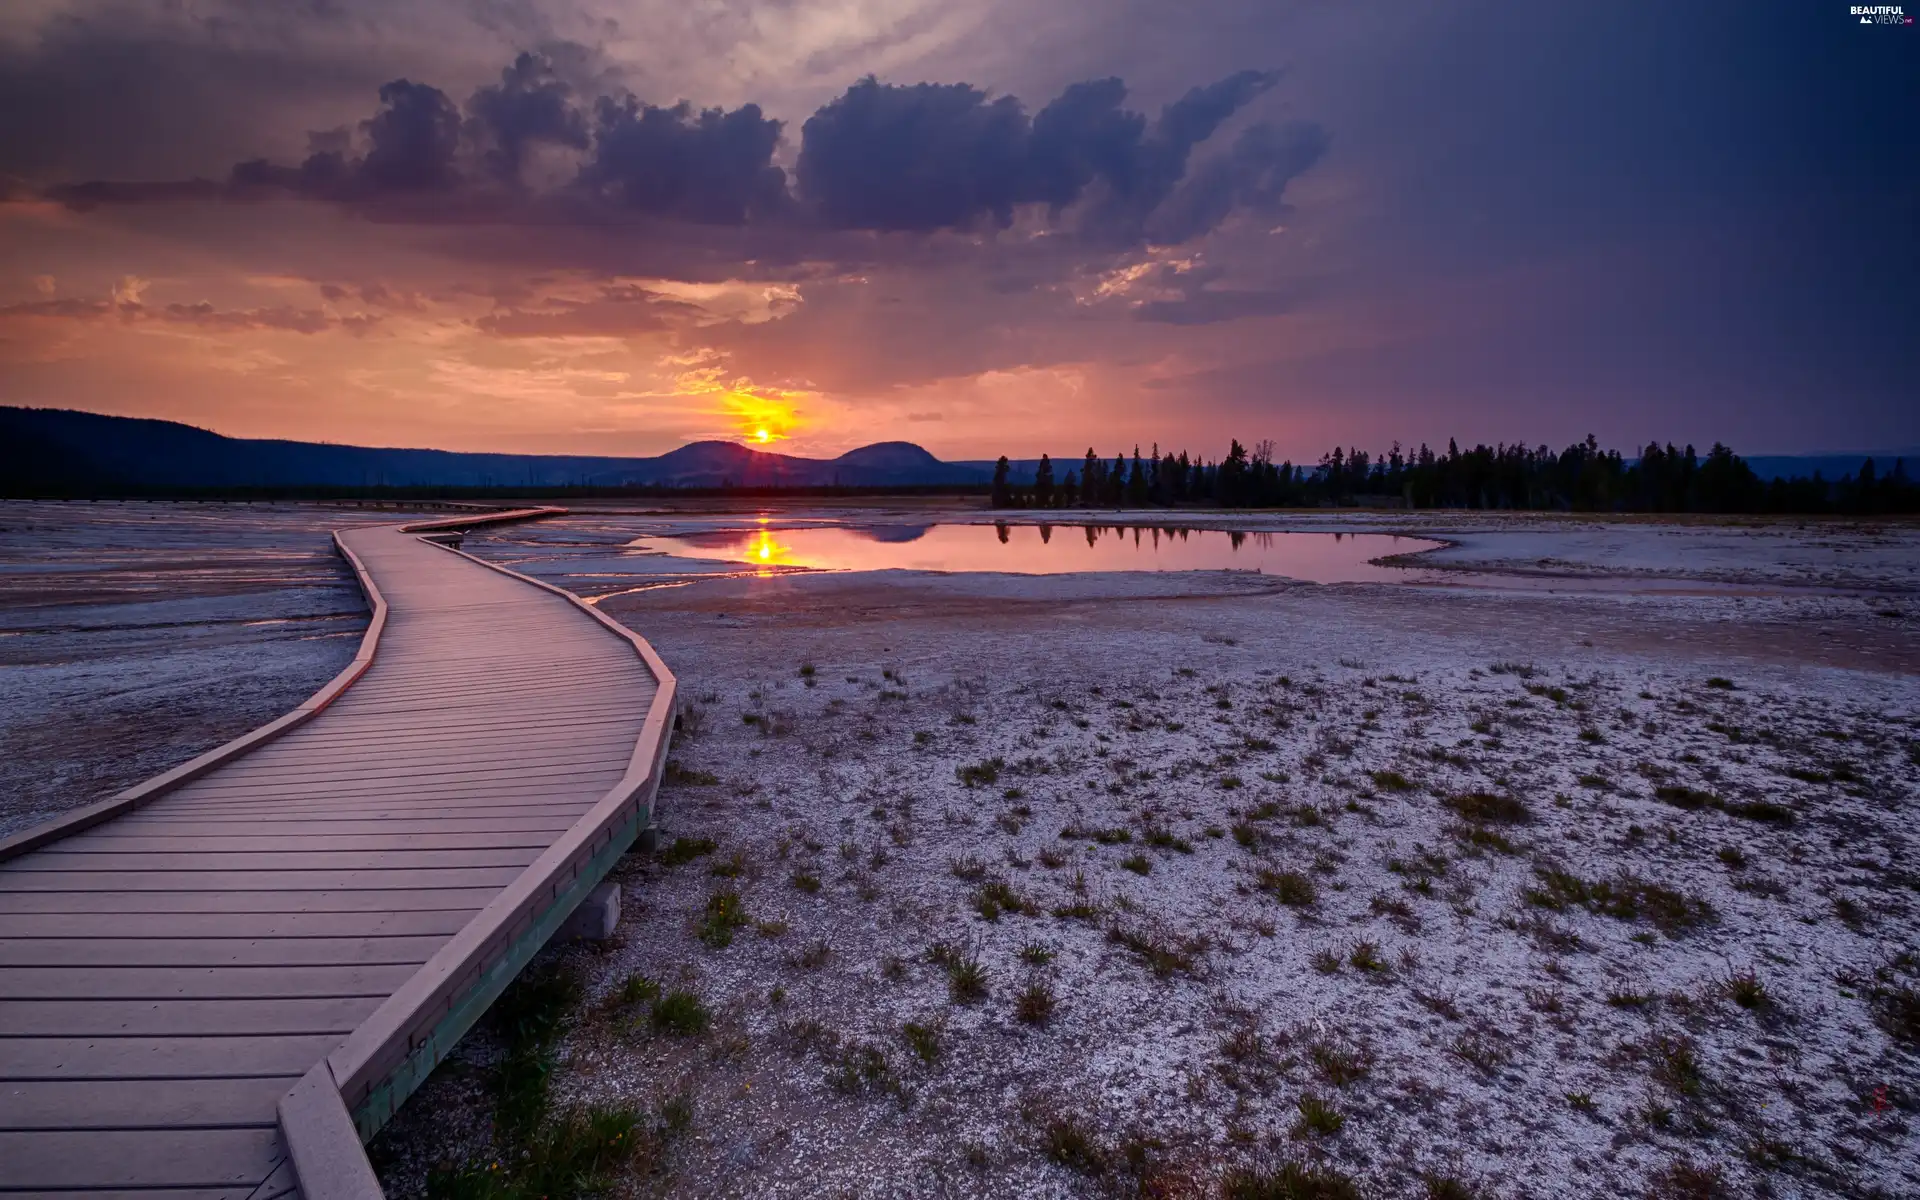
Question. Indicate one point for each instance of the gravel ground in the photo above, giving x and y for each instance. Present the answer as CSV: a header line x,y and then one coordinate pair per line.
x,y
1438,891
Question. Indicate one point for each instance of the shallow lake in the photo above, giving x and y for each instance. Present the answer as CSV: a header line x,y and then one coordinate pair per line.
x,y
1046,550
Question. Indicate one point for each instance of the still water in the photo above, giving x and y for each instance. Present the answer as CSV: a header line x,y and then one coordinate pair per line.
x,y
1048,550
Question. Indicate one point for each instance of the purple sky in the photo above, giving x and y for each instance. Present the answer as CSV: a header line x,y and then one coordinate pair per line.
x,y
985,227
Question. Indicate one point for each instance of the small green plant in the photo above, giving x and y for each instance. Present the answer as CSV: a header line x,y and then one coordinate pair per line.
x,y
1139,864
1288,887
981,773
1685,797
1160,951
1488,807
923,1038
1744,988
685,850
806,880
1290,1181
1339,1065
725,912
1392,781
966,975
1721,682
1365,955
1036,954
1446,1187
674,774
1318,1118
1068,1141
636,989
681,1013
1035,1003
997,896
1326,962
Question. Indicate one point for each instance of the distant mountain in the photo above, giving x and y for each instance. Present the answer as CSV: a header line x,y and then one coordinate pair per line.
x,y
45,448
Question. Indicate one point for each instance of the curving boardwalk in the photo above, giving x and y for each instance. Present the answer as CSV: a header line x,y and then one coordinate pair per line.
x,y
220,983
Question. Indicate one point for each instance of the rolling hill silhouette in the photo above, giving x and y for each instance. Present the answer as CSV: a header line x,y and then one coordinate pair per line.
x,y
63,448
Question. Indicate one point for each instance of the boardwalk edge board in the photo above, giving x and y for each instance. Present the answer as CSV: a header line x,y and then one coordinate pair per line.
x,y
347,1096
394,1050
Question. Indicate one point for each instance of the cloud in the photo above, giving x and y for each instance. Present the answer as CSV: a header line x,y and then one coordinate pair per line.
x,y
709,167
878,158
619,311
948,156
1211,307
1254,175
921,157
124,305
530,106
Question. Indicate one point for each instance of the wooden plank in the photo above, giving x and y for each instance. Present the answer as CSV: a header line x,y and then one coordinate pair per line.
x,y
418,899
398,791
540,820
205,983
141,1104
495,779
215,952
182,1018
283,926
569,806
531,763
179,1193
427,836
427,754
205,858
255,881
533,728
170,1158
31,1058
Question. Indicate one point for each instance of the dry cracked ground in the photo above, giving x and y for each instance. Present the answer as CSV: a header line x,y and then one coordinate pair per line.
x,y
1222,886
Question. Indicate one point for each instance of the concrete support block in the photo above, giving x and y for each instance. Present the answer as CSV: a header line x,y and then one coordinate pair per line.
x,y
594,920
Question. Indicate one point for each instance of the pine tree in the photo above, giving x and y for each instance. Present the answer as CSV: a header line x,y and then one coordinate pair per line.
x,y
1002,498
1043,483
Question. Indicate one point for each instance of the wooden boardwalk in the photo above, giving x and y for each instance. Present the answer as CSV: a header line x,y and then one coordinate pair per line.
x,y
203,981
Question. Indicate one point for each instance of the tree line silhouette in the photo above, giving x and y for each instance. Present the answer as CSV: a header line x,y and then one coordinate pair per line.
x,y
1581,478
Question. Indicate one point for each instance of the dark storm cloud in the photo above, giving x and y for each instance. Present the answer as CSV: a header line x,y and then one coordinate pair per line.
x,y
530,105
880,157
928,156
1253,176
710,167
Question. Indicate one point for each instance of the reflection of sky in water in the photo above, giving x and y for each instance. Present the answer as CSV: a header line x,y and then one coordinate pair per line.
x,y
1046,550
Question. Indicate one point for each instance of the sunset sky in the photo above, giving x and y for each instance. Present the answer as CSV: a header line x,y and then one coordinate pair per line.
x,y
984,226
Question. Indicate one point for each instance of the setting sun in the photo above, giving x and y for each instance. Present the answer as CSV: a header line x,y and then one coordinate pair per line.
x,y
759,416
